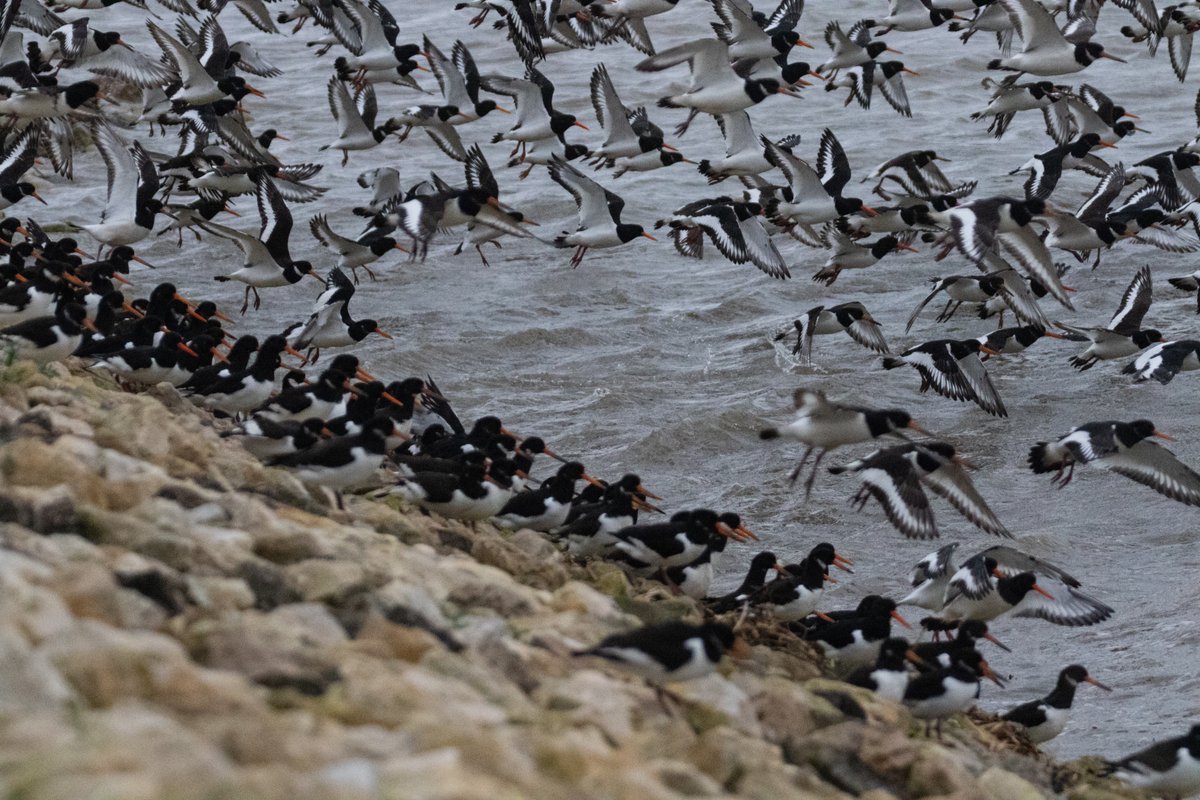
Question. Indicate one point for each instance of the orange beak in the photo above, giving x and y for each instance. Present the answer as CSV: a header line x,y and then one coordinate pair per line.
x,y
843,564
383,333
1094,682
644,491
253,91
648,236
896,616
38,197
906,246
1043,592
183,348
219,356
1162,435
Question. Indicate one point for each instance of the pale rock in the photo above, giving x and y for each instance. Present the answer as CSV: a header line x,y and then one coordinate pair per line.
x,y
220,594
28,680
725,698
999,784
322,580
277,649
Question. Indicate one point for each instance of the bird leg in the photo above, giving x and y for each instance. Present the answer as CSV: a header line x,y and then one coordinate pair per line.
x,y
482,257
812,478
528,170
257,299
345,157
800,467
245,300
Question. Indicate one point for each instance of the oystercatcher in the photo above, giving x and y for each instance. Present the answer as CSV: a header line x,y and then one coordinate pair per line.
x,y
671,651
1044,719
1123,448
1171,766
342,462
46,339
824,426
953,369
1124,335
889,676
599,212
936,695
851,318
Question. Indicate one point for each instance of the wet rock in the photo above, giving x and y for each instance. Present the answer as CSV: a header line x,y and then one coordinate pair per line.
x,y
998,784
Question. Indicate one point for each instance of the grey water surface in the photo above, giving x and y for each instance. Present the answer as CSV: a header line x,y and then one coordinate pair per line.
x,y
641,360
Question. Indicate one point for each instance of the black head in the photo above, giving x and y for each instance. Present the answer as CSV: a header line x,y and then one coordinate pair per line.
x,y
847,205
404,52
875,49
571,471
1135,431
79,93
881,247
345,363
561,123
1087,52
940,15
794,72
627,232
759,90
824,553
891,68
382,245
763,562
931,455
1144,339
718,638
888,420
1074,674
273,345
533,444
574,151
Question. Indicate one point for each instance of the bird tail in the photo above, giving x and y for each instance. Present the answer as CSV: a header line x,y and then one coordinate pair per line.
x,y
668,102
766,434
1186,284
891,362
499,137
560,241
1039,461
222,278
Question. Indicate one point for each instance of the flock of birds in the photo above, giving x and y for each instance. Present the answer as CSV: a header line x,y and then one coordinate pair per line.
x,y
336,426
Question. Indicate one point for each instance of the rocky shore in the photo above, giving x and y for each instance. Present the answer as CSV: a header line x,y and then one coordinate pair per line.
x,y
179,622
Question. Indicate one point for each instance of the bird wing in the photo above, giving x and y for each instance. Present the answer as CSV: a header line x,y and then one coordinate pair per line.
x,y
896,95
833,168
761,250
891,479
802,178
275,217
182,59
1011,561
974,228
1070,607
708,60
610,112
453,86
19,156
920,306
1155,466
1020,298
1028,250
935,565
942,372
122,172
972,580
214,48
869,334
341,105
479,174
1106,191
737,130
1135,302
981,385
1034,24
951,482
590,197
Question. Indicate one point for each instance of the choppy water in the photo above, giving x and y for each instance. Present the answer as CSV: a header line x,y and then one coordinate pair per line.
x,y
642,360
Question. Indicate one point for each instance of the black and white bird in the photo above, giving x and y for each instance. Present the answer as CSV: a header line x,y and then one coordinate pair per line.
x,y
756,578
352,254
670,652
850,318
330,324
952,369
930,577
934,696
1170,767
266,258
131,205
984,589
1165,360
545,508
813,196
1009,98
1046,51
846,253
468,495
355,118
734,228
343,462
889,675
104,53
46,339
743,153
1121,447
1124,335
823,426
895,476
266,439
981,227
855,640
1044,719
959,289
599,212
